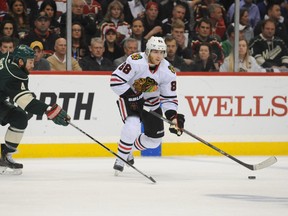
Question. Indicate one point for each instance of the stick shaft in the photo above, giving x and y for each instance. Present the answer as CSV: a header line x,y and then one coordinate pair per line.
x,y
264,164
112,152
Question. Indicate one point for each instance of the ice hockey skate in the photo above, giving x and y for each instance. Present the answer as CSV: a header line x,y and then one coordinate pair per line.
x,y
130,159
7,165
118,166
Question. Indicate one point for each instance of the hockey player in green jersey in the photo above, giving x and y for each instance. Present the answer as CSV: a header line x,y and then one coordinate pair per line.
x,y
14,71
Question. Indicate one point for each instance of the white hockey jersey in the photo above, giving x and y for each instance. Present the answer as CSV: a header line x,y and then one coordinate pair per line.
x,y
158,86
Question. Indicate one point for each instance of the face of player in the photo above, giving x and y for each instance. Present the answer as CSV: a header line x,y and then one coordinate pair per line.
x,y
204,53
156,56
7,47
29,64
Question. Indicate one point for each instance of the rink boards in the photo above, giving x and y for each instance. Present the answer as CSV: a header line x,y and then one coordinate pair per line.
x,y
243,114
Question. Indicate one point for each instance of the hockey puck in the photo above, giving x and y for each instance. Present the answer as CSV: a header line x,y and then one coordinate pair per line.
x,y
251,177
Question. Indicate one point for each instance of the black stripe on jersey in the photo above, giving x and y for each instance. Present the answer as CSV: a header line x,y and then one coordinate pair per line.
x,y
117,84
168,97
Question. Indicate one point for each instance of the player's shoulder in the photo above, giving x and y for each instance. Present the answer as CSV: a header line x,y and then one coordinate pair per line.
x,y
137,58
168,68
10,69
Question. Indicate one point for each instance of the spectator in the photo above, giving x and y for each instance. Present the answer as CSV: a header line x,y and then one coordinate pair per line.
x,y
228,43
89,22
41,33
79,45
203,60
115,18
130,46
112,49
204,28
50,8
18,14
268,50
244,21
3,9
95,61
246,62
178,12
152,25
58,59
40,63
8,28
262,6
274,13
137,33
254,14
217,19
166,8
178,32
6,44
172,57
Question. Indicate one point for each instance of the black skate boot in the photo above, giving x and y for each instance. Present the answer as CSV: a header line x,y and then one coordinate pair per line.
x,y
6,158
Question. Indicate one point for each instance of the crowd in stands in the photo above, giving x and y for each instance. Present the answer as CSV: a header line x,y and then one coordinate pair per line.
x,y
199,34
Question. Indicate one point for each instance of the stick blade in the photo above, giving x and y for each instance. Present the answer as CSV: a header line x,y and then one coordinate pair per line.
x,y
268,162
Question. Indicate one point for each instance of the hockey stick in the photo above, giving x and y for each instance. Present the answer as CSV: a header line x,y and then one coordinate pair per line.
x,y
266,163
148,177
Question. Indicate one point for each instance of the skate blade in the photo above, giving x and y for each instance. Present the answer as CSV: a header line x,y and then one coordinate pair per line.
x,y
8,171
116,173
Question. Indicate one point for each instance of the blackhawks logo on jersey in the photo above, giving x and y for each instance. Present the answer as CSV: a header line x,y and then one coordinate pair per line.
x,y
136,56
172,69
145,85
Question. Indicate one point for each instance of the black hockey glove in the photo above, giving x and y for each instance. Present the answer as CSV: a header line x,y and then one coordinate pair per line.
x,y
136,102
177,120
58,115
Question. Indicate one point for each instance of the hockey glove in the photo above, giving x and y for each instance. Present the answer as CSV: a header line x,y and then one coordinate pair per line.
x,y
58,115
177,120
136,102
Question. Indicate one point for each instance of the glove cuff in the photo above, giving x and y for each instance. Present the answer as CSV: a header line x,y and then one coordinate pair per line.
x,y
170,114
53,111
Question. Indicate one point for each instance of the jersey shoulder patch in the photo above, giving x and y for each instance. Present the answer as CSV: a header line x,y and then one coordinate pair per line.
x,y
172,69
136,56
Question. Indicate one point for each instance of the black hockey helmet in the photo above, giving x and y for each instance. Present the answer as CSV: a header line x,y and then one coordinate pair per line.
x,y
23,52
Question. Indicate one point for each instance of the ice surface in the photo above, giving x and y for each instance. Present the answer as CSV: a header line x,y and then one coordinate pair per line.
x,y
186,186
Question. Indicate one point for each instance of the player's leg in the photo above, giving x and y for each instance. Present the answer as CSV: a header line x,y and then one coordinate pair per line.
x,y
153,132
130,130
17,119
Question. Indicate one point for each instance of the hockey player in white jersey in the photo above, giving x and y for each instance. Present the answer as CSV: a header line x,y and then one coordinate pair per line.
x,y
145,79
